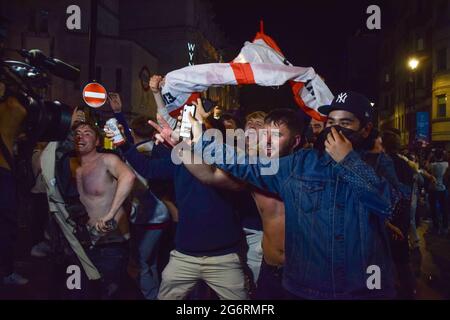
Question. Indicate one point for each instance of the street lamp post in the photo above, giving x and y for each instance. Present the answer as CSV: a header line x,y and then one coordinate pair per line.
x,y
413,64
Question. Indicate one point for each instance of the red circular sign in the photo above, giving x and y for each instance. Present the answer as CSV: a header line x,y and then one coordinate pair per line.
x,y
94,94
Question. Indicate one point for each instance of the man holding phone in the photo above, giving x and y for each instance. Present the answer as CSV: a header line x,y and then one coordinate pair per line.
x,y
208,236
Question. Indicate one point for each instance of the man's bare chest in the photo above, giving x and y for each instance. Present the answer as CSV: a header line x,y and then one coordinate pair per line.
x,y
95,179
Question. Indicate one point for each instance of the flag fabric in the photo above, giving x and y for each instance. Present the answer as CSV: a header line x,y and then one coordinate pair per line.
x,y
259,62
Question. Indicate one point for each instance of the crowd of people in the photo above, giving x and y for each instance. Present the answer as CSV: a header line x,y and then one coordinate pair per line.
x,y
337,220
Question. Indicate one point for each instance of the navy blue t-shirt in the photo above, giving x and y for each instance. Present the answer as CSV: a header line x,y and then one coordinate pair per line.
x,y
208,223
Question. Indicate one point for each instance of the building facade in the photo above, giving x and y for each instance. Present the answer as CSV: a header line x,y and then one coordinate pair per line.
x,y
179,33
120,62
419,30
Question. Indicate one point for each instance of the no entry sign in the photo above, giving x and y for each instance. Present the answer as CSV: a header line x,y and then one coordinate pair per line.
x,y
94,94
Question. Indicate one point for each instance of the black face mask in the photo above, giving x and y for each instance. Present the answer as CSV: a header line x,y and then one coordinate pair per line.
x,y
353,136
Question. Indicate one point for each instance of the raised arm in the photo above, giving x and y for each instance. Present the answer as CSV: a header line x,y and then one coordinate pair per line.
x,y
155,86
212,176
162,169
116,106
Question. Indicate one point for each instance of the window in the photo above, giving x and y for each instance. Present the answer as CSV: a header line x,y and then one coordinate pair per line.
x,y
442,106
420,45
442,59
98,74
43,21
442,11
118,80
420,80
32,21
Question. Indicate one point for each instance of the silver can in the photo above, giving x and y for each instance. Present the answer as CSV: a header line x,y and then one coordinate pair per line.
x,y
113,125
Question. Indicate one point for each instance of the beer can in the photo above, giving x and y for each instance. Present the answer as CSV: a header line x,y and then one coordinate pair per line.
x,y
113,125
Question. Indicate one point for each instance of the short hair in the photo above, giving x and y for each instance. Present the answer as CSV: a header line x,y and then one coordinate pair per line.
x,y
391,140
211,122
373,136
230,116
439,154
141,128
256,115
288,117
91,125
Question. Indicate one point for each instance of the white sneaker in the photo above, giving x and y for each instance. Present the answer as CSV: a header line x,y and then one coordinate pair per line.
x,y
15,279
40,250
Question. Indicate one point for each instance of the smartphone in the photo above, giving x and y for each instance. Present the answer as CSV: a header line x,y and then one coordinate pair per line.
x,y
186,127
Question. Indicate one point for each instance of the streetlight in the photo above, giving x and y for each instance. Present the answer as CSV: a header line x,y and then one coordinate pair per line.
x,y
413,64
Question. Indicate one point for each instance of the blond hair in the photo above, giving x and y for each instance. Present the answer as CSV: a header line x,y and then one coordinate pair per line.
x,y
256,114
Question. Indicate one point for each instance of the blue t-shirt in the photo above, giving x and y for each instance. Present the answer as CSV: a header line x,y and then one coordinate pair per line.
x,y
208,221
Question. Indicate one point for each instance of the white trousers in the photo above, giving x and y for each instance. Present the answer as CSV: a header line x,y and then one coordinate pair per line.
x,y
223,274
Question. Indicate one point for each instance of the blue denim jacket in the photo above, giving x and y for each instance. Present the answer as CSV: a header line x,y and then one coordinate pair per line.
x,y
335,214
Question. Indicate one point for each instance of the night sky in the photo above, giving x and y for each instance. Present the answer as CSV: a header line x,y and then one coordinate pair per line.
x,y
310,33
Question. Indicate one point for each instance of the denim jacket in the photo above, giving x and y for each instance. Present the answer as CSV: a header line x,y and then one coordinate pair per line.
x,y
335,214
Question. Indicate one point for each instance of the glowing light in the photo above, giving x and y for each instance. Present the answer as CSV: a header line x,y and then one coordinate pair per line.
x,y
413,63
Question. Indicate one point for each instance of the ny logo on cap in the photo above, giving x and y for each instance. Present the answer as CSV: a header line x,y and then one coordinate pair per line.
x,y
341,98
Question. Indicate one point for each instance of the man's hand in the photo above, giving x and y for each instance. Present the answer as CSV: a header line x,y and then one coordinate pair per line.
x,y
115,102
337,145
200,114
110,134
77,116
165,133
396,233
197,128
103,226
156,83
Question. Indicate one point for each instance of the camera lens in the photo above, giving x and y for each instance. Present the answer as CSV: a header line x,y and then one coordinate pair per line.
x,y
54,120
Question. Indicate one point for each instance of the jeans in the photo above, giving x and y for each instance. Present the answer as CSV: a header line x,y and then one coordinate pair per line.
x,y
413,227
8,220
146,246
269,285
327,253
39,217
441,198
111,260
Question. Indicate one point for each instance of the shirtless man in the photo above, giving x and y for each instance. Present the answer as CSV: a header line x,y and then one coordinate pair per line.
x,y
103,182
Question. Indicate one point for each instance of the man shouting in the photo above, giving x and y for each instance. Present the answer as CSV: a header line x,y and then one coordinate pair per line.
x,y
104,182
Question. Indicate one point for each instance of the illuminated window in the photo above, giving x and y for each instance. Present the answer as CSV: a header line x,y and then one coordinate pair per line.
x,y
442,106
